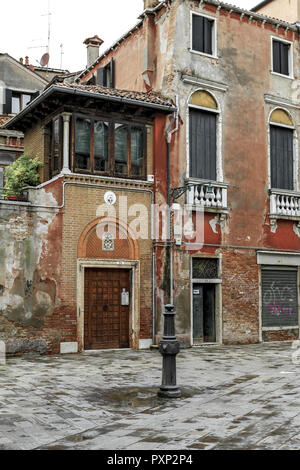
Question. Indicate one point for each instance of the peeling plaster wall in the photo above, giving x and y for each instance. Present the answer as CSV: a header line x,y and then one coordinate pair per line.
x,y
29,275
240,79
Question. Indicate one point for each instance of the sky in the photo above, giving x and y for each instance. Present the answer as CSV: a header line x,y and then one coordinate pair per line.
x,y
70,24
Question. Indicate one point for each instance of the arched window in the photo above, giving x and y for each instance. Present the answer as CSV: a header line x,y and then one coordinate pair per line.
x,y
281,150
203,112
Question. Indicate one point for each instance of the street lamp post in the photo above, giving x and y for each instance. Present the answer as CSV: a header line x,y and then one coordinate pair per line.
x,y
169,348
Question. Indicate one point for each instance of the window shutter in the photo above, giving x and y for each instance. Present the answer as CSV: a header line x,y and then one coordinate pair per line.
x,y
281,57
203,145
282,158
208,36
276,56
284,58
7,104
112,74
101,76
197,33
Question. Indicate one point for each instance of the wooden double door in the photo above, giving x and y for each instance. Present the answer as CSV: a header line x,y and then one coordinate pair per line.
x,y
106,320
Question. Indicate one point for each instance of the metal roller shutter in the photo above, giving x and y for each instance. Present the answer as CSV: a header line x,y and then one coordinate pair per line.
x,y
279,298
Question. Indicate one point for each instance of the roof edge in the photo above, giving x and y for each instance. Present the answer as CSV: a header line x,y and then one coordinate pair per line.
x,y
261,5
75,91
152,11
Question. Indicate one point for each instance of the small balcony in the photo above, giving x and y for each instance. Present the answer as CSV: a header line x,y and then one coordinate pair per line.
x,y
208,195
284,204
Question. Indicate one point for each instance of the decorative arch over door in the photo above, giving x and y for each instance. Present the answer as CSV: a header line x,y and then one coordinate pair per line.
x,y
122,242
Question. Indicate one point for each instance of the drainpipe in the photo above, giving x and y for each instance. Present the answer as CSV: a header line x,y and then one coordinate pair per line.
x,y
169,134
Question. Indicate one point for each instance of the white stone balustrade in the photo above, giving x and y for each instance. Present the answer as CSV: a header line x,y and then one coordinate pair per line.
x,y
284,203
212,196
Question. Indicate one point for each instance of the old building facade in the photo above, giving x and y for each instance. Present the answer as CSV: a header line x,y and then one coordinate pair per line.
x,y
18,85
235,76
77,259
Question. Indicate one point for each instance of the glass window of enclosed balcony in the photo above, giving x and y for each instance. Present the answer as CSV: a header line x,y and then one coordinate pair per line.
x,y
56,148
109,148
102,147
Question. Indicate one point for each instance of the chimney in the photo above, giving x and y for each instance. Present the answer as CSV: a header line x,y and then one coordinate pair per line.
x,y
27,60
92,45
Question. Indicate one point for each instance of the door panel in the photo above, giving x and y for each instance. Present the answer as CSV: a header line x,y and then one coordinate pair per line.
x,y
204,324
209,314
106,322
197,312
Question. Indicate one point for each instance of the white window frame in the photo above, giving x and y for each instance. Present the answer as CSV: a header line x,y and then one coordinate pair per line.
x,y
214,35
290,58
219,126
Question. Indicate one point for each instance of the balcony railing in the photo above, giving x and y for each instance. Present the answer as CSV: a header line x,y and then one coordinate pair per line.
x,y
284,204
208,195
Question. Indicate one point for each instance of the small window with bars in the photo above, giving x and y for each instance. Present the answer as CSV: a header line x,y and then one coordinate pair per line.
x,y
203,34
205,268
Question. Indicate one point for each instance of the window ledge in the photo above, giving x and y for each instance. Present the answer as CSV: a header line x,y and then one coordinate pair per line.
x,y
291,77
279,328
210,56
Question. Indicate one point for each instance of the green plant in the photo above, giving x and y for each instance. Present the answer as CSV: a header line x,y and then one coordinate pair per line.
x,y
23,172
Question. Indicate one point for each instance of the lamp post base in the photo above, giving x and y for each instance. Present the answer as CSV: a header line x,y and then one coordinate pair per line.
x,y
169,392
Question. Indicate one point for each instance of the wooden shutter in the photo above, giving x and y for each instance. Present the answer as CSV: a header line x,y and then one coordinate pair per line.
x,y
279,298
281,57
197,33
202,29
276,56
101,76
284,58
202,144
7,104
208,35
282,172
112,73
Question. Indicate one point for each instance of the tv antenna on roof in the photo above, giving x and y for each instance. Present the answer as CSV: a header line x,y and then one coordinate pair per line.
x,y
61,54
49,29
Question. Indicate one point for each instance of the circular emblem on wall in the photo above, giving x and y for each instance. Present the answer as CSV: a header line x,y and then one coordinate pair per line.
x,y
110,198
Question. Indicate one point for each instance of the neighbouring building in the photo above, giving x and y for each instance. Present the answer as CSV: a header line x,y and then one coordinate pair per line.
x,y
18,86
77,260
235,76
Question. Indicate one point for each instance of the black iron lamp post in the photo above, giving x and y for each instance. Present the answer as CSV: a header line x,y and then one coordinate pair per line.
x,y
169,348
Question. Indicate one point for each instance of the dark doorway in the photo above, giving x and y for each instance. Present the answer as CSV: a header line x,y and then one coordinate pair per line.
x,y
106,315
204,321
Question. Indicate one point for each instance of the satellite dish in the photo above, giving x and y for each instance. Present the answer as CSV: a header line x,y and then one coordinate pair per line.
x,y
45,60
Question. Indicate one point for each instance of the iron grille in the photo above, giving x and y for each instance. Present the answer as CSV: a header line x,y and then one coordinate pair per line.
x,y
205,268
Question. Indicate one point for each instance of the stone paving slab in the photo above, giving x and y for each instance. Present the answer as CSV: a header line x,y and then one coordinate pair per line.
x,y
233,397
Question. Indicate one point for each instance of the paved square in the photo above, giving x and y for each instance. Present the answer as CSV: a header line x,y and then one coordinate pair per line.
x,y
233,397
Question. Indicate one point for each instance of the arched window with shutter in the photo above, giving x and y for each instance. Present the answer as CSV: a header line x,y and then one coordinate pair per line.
x,y
203,116
282,150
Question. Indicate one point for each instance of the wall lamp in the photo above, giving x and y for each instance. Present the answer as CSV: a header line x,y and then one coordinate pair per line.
x,y
177,192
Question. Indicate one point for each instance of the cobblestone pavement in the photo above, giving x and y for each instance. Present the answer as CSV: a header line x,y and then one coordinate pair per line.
x,y
233,397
